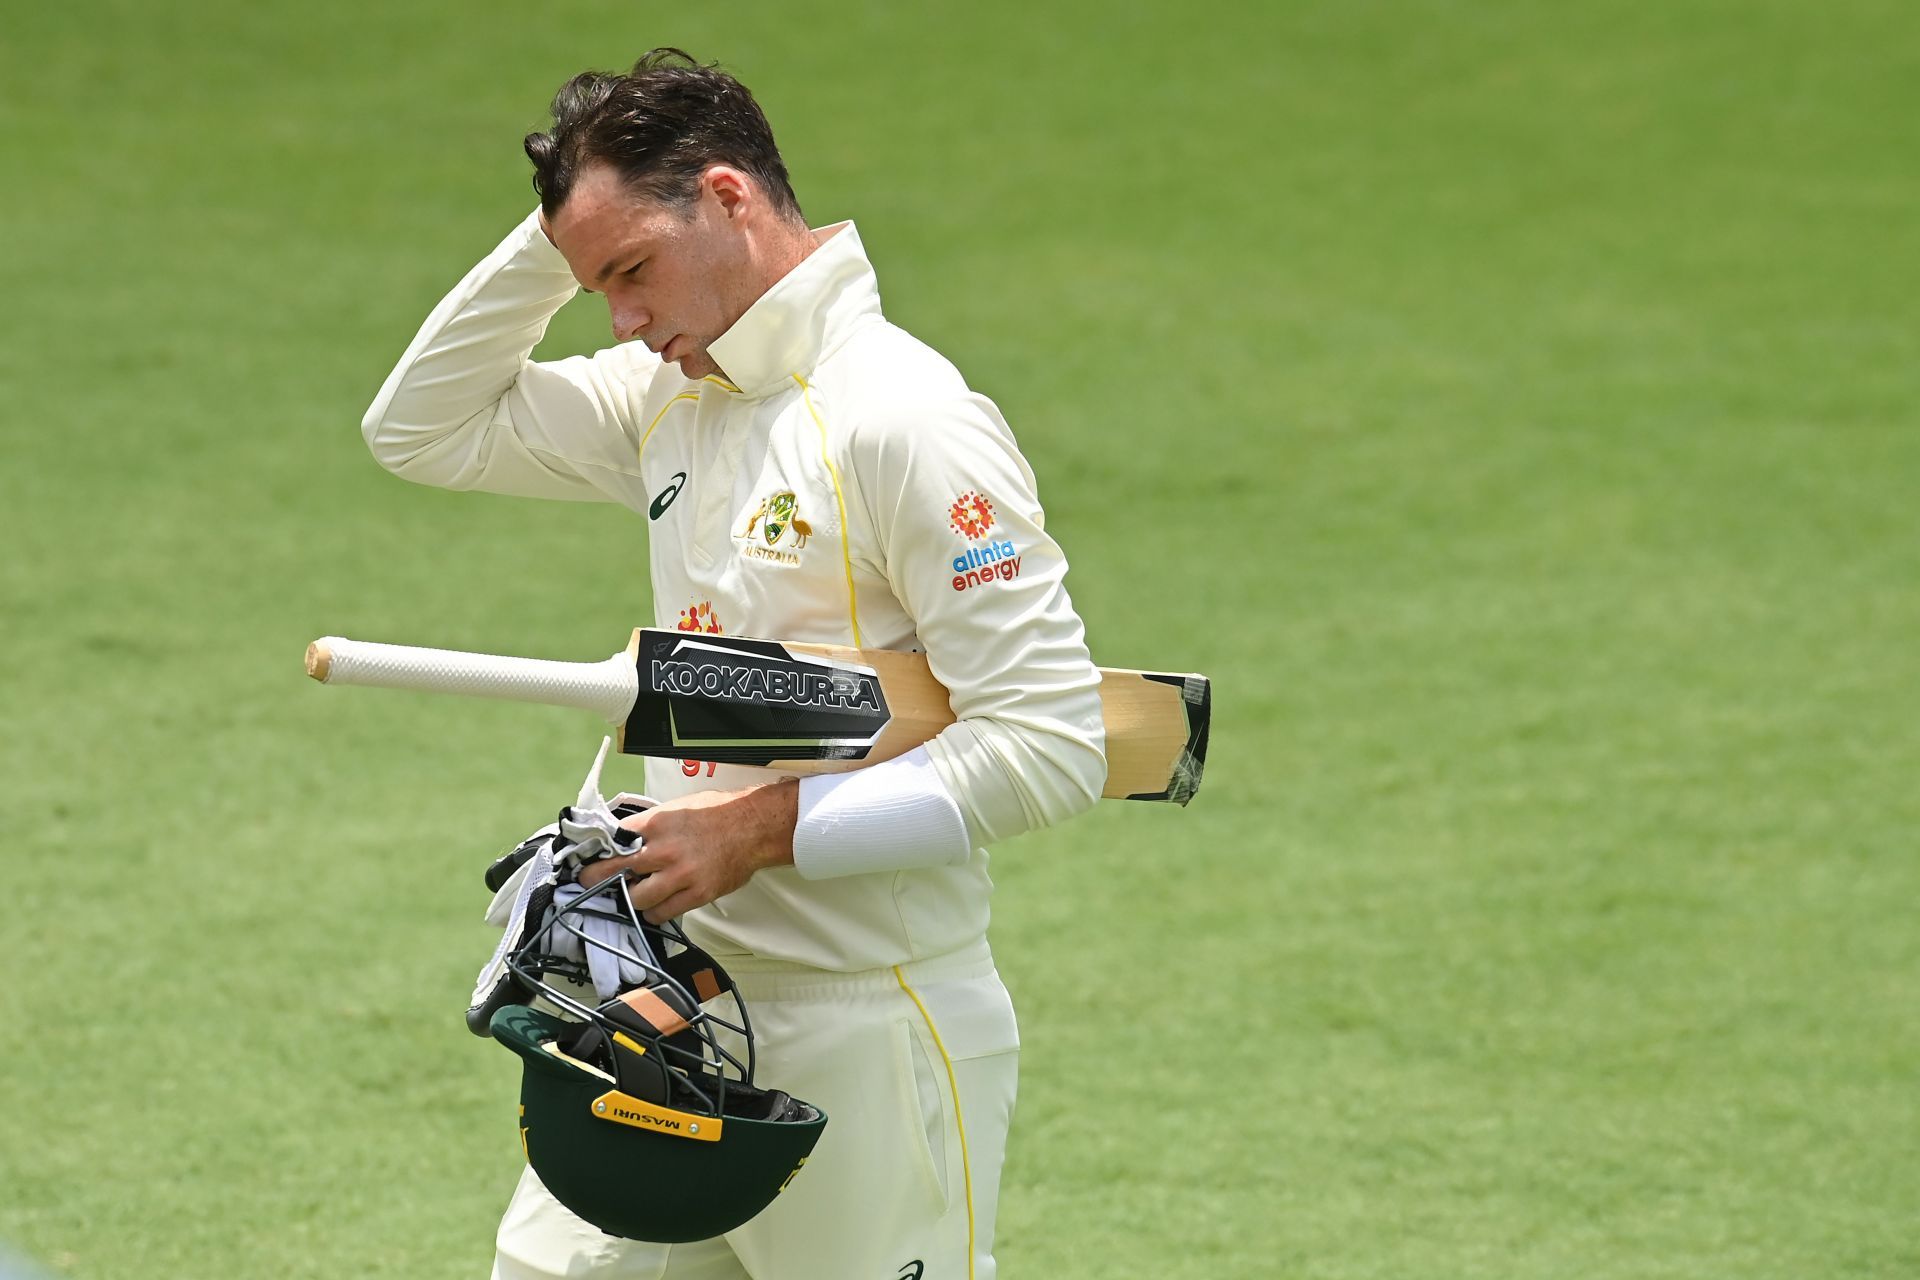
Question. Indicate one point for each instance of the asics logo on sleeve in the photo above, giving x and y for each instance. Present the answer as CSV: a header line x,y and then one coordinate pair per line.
x,y
665,497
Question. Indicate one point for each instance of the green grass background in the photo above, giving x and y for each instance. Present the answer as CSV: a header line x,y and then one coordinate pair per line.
x,y
1510,405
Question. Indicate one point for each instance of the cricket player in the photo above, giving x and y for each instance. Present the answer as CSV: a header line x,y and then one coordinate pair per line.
x,y
805,470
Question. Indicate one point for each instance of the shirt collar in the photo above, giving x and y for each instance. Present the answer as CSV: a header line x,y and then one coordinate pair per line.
x,y
808,313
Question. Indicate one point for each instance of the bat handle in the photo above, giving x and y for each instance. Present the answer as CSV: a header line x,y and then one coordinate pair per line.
x,y
607,688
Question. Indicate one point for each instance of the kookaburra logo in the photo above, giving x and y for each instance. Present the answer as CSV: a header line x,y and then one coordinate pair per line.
x,y
831,691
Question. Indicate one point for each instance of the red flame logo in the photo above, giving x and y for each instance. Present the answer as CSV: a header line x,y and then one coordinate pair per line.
x,y
700,617
971,515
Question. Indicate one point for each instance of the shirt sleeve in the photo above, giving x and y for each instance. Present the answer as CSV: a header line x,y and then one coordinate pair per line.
x,y
957,515
467,409
892,816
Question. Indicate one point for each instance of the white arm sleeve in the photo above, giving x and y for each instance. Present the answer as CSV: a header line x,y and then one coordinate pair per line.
x,y
886,818
990,607
466,409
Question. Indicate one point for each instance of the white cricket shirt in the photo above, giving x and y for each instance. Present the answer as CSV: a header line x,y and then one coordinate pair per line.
x,y
842,485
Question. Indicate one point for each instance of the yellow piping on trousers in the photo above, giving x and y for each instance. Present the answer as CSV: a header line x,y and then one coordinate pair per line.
x,y
953,1086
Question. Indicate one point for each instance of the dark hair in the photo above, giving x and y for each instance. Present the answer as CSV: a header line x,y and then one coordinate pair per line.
x,y
660,126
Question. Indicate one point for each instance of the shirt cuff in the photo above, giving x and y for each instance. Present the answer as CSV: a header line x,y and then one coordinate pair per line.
x,y
890,817
542,251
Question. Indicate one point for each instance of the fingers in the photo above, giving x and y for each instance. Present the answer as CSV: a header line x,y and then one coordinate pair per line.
x,y
655,879
594,872
677,905
649,891
604,869
661,895
686,859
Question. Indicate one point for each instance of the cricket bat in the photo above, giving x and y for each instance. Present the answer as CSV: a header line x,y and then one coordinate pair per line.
x,y
796,708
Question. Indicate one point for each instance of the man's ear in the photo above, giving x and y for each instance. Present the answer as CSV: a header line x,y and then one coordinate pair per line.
x,y
731,187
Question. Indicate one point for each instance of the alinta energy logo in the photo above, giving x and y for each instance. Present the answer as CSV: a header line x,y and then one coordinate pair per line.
x,y
778,520
971,515
997,560
700,617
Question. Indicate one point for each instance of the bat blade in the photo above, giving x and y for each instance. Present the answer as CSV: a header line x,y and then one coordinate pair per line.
x,y
1157,727
795,708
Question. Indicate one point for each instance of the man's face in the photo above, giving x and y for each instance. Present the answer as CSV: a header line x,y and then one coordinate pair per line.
x,y
674,278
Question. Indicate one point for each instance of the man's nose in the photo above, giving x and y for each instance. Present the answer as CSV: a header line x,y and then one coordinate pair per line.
x,y
629,320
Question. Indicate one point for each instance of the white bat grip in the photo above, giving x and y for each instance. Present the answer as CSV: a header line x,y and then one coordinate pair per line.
x,y
608,688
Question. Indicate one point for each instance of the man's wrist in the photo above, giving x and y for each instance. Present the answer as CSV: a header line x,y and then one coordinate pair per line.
x,y
773,809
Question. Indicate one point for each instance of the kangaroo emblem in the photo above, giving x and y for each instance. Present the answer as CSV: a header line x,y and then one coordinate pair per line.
x,y
780,512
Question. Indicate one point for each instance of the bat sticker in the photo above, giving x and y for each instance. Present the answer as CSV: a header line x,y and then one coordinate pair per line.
x,y
742,701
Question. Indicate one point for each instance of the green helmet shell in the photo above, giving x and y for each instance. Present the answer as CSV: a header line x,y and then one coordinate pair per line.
x,y
638,1169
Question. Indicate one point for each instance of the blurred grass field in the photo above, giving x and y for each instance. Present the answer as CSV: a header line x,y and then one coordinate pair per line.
x,y
1510,406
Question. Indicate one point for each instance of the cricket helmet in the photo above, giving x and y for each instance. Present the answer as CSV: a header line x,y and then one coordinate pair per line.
x,y
634,1112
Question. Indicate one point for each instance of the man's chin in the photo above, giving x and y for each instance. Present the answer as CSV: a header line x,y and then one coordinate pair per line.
x,y
696,365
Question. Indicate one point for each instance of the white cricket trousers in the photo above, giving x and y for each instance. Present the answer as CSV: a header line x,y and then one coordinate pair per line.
x,y
915,1067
